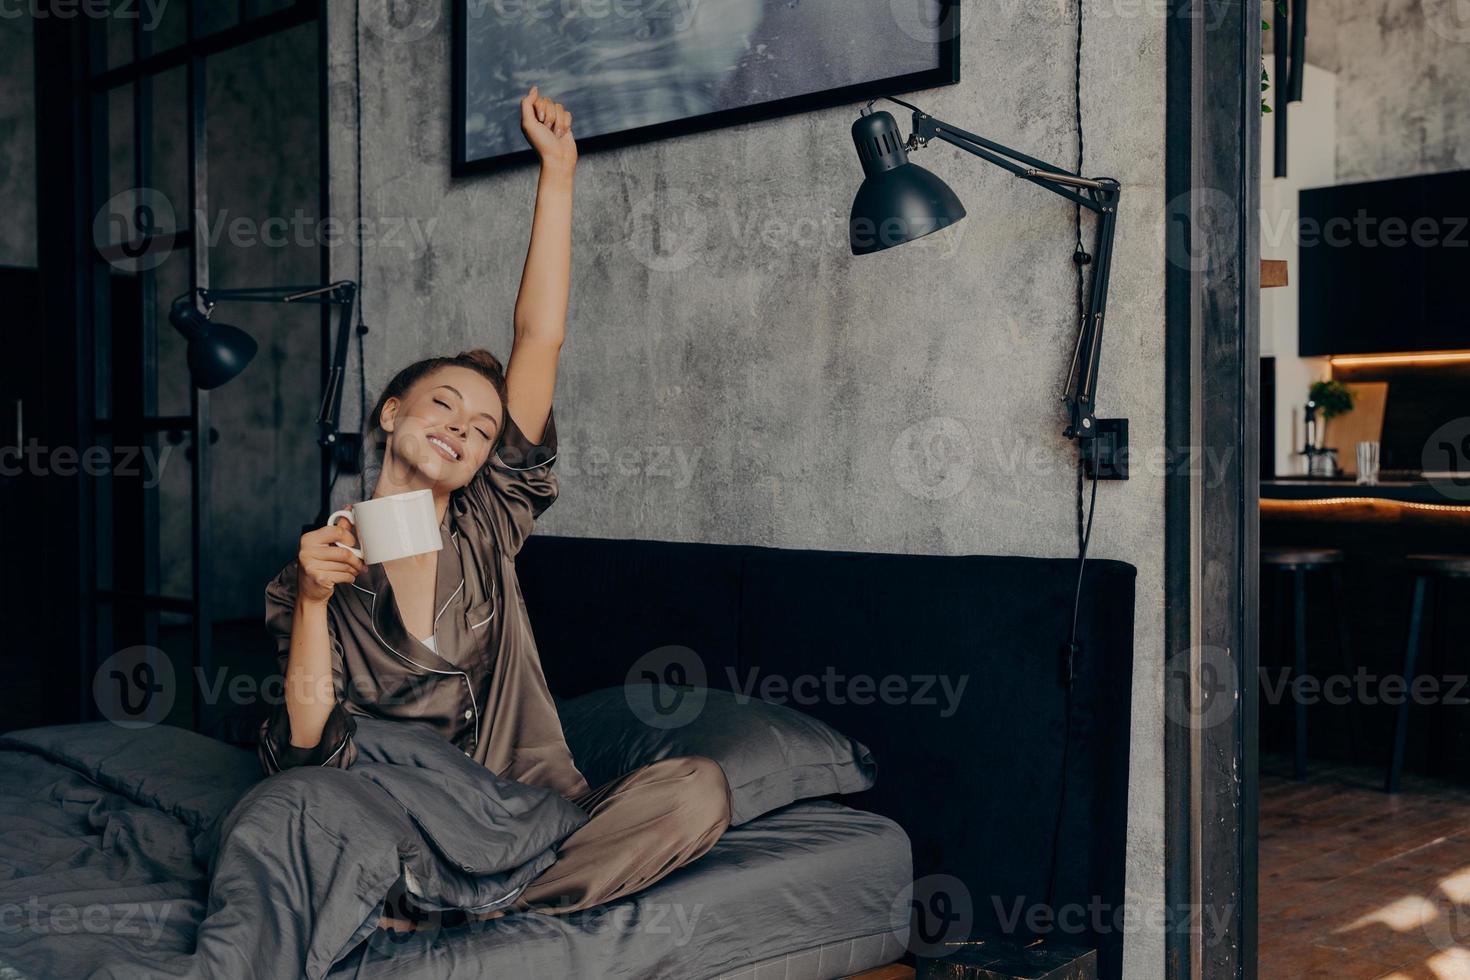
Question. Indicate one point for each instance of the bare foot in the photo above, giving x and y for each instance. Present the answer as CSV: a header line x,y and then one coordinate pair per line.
x,y
398,914
396,924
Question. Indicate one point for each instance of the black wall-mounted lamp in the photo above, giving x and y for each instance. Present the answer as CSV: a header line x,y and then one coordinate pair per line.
x,y
900,202
218,352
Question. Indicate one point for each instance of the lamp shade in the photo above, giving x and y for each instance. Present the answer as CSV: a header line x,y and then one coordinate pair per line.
x,y
217,351
898,201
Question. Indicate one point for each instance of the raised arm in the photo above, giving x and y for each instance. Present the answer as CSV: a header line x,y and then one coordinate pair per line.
x,y
541,306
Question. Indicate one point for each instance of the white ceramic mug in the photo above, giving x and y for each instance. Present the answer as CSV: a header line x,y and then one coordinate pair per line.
x,y
393,527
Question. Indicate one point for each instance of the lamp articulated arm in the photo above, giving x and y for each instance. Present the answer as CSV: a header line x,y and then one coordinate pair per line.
x,y
343,294
218,352
1099,195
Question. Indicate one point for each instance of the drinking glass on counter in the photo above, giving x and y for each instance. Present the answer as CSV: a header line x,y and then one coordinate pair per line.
x,y
1368,463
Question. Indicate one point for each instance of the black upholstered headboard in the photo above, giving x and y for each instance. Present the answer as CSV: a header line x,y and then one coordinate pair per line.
x,y
977,787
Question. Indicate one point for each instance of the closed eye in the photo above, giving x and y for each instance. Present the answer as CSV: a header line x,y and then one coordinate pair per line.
x,y
441,403
483,434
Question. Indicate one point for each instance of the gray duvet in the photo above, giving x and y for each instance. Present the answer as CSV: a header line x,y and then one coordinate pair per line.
x,y
164,854
107,837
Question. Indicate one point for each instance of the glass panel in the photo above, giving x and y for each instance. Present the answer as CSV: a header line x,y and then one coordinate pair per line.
x,y
102,363
171,144
176,640
175,518
132,216
175,524
263,205
216,15
171,280
121,219
102,517
120,21
167,26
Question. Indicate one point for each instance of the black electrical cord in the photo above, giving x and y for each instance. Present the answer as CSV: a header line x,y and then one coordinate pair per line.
x,y
1070,655
336,466
1081,253
1084,524
362,409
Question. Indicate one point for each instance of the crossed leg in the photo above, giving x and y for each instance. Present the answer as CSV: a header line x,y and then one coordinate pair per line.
x,y
642,826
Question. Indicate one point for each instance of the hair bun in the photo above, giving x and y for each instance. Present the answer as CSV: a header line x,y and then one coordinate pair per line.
x,y
483,358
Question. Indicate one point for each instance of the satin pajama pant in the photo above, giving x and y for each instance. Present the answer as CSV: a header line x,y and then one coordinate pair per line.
x,y
642,826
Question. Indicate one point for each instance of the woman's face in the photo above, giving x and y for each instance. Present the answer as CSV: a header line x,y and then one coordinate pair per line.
x,y
443,428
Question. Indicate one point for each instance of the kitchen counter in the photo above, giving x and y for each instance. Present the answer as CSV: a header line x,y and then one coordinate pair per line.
x,y
1440,492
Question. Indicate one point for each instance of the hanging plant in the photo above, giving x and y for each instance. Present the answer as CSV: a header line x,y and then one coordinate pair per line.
x,y
1265,78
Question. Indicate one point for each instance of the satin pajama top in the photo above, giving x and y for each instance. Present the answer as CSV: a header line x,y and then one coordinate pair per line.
x,y
483,689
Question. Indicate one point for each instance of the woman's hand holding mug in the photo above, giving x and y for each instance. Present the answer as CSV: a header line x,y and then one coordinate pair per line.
x,y
327,561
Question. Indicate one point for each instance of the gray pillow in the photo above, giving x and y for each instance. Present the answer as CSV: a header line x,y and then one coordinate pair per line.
x,y
771,755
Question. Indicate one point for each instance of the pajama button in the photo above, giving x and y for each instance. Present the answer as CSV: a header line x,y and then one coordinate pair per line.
x,y
468,714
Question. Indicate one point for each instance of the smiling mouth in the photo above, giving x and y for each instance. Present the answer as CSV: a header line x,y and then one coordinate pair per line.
x,y
445,449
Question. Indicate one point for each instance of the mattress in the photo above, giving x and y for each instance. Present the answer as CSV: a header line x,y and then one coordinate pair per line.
x,y
805,893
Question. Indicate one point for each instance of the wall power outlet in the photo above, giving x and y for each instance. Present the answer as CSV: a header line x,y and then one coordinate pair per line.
x,y
1105,455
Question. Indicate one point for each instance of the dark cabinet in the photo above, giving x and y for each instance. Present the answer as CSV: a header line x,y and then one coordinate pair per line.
x,y
1384,266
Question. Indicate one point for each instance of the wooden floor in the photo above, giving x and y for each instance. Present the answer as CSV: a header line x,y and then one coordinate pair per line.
x,y
894,971
1355,883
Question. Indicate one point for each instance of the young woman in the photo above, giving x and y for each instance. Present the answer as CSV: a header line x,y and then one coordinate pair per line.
x,y
443,637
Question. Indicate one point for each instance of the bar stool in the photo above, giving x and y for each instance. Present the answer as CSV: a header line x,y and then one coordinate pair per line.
x,y
1428,570
1292,566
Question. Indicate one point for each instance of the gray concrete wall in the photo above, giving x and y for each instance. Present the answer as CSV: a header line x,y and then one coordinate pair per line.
x,y
17,143
734,375
1403,70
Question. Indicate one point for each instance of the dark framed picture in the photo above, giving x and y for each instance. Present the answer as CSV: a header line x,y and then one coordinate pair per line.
x,y
633,71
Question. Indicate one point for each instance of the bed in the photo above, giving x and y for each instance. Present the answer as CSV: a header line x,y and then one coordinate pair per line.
x,y
103,860
805,893
812,883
